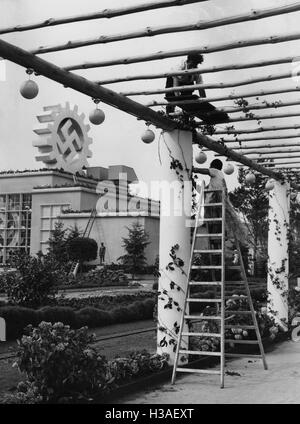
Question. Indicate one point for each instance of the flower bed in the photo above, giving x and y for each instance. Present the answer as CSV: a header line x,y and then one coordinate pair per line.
x,y
61,367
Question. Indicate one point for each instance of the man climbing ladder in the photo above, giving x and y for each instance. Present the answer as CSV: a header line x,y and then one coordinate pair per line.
x,y
216,319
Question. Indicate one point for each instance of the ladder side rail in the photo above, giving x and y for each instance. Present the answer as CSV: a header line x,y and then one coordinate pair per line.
x,y
187,287
222,339
92,217
261,348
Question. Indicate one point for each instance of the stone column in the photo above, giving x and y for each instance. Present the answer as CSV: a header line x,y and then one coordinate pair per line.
x,y
278,255
176,155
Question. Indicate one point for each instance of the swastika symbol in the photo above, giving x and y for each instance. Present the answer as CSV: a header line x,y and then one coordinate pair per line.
x,y
67,142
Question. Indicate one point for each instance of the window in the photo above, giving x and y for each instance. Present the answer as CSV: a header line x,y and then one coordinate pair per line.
x,y
15,224
49,214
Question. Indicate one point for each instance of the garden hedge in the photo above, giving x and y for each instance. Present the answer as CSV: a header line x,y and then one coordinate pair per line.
x,y
17,318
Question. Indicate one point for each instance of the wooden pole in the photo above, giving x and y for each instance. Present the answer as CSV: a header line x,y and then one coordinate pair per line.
x,y
267,151
264,147
271,155
203,70
257,138
257,130
150,32
220,85
106,13
258,41
211,144
253,117
285,162
82,85
257,93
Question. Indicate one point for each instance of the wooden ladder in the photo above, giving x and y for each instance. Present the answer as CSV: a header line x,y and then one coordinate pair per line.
x,y
218,315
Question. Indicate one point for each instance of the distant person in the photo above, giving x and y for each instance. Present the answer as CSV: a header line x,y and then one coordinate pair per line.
x,y
191,62
102,251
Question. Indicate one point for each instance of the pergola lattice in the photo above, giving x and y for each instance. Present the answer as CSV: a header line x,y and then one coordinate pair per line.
x,y
277,144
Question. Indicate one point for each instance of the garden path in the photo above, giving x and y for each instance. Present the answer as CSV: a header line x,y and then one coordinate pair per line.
x,y
279,385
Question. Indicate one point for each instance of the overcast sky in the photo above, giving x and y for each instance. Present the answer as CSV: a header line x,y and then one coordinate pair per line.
x,y
117,140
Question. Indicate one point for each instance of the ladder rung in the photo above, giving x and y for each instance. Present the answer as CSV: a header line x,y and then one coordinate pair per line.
x,y
245,355
208,251
211,204
233,267
241,341
245,327
238,312
202,334
205,283
202,317
191,300
210,235
198,371
211,219
235,282
207,267
200,352
212,191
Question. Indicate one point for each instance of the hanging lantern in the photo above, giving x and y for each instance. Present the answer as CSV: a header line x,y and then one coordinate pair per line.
x,y
229,169
250,178
270,184
200,157
97,116
148,136
29,89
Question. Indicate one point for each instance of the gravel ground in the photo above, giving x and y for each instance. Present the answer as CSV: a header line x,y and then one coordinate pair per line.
x,y
253,385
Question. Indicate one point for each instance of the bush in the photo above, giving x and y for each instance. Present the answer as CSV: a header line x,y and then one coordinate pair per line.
x,y
82,249
61,367
60,364
34,283
93,317
17,318
63,314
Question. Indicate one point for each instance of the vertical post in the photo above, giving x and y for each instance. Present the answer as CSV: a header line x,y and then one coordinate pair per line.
x,y
176,154
278,255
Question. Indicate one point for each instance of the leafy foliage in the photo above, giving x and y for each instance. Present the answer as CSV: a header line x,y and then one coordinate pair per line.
x,y
61,366
136,242
34,282
252,201
82,249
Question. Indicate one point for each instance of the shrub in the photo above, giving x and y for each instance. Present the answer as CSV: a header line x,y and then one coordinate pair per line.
x,y
63,314
34,282
82,249
93,317
60,364
17,318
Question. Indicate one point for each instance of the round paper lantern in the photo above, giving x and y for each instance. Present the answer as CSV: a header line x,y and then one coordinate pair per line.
x,y
96,116
229,169
200,157
250,178
270,184
29,89
148,136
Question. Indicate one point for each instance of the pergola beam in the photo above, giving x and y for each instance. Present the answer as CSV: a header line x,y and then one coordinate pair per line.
x,y
204,70
273,39
257,130
106,13
82,85
217,85
257,93
253,117
150,32
263,148
257,138
235,156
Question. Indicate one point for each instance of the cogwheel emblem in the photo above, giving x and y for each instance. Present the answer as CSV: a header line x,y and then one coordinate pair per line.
x,y
64,141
